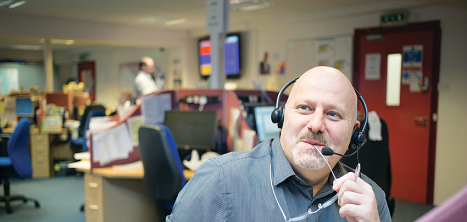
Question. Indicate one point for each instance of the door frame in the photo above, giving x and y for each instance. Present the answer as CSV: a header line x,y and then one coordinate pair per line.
x,y
88,65
429,25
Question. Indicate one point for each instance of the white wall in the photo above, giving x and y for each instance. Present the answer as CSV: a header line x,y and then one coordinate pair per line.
x,y
450,169
107,64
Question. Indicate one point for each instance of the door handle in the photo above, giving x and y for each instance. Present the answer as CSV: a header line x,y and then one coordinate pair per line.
x,y
422,119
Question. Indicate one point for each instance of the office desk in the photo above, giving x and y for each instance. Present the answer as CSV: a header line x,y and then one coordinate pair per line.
x,y
116,195
40,151
41,157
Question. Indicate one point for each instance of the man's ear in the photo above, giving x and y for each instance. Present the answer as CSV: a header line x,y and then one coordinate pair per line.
x,y
357,123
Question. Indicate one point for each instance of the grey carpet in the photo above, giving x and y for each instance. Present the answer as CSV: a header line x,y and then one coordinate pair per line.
x,y
61,197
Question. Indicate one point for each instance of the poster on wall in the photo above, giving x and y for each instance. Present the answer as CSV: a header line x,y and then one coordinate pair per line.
x,y
8,81
412,73
128,74
264,66
373,66
412,56
303,55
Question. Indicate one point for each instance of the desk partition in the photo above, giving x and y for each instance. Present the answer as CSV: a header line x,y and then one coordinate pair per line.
x,y
226,101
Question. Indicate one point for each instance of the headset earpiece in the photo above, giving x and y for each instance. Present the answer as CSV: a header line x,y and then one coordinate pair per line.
x,y
277,115
358,139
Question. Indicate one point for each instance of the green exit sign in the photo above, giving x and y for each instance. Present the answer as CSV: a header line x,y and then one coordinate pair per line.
x,y
392,19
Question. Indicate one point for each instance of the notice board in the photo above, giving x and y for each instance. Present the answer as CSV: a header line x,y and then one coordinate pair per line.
x,y
304,54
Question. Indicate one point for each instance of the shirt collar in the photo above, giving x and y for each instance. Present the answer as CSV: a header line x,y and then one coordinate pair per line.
x,y
141,71
282,169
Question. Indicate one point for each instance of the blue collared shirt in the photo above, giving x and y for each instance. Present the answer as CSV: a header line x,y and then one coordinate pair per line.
x,y
237,187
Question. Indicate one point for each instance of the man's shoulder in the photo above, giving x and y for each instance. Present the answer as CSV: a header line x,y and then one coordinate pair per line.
x,y
262,150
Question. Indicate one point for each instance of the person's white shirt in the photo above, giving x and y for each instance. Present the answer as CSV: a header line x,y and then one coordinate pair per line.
x,y
144,84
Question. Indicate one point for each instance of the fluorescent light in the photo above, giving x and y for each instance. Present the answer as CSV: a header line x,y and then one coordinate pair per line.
x,y
6,3
173,22
27,47
248,5
16,4
61,41
162,20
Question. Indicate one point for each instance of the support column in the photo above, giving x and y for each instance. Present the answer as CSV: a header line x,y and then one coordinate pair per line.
x,y
48,66
217,78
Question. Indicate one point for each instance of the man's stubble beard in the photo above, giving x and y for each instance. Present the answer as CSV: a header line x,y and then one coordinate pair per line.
x,y
308,159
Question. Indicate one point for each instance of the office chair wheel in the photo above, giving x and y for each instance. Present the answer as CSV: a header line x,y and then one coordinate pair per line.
x,y
82,208
9,210
36,204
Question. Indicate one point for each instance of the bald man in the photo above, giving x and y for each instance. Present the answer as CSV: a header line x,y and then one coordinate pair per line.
x,y
287,178
144,83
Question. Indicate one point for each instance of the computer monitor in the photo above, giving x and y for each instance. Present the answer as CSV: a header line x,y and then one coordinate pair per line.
x,y
24,107
265,128
193,129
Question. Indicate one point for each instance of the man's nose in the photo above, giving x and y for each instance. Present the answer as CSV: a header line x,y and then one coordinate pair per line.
x,y
316,122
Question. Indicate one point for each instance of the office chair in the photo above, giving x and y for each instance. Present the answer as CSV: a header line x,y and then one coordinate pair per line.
x,y
163,170
84,125
19,160
375,160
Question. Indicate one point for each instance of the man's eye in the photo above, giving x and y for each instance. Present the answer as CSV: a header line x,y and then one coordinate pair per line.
x,y
334,115
304,108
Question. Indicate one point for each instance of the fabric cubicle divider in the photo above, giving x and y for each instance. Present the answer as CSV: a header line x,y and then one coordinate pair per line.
x,y
134,155
228,100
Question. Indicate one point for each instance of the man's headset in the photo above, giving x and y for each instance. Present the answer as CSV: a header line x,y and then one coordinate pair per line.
x,y
358,138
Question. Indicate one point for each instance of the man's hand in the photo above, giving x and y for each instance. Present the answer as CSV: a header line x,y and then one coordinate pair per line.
x,y
356,198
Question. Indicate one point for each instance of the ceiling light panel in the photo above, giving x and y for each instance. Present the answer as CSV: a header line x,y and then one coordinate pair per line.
x,y
27,47
11,3
162,20
248,5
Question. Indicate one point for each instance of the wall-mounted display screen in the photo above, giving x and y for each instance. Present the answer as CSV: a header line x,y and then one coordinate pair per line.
x,y
232,63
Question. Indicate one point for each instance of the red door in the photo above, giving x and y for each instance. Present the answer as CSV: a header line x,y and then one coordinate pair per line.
x,y
412,124
87,75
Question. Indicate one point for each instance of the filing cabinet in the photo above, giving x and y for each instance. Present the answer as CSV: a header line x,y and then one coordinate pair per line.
x,y
40,155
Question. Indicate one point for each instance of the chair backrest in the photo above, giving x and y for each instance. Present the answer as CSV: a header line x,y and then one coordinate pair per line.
x,y
85,118
163,170
92,113
18,148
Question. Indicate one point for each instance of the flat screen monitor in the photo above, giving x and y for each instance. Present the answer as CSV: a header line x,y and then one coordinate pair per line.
x,y
193,129
24,107
264,126
232,63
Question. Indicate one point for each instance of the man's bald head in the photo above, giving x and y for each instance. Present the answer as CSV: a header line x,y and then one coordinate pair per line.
x,y
146,64
327,78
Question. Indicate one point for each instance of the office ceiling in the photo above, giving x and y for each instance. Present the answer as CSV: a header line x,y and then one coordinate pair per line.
x,y
132,12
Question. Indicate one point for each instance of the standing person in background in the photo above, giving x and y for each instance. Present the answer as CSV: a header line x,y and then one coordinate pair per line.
x,y
144,83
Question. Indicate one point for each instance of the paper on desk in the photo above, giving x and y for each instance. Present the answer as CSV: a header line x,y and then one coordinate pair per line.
x,y
123,111
82,156
83,164
100,123
135,166
134,123
112,144
10,105
153,108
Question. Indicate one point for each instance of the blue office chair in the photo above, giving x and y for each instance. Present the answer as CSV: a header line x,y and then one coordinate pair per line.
x,y
163,170
81,141
84,126
19,160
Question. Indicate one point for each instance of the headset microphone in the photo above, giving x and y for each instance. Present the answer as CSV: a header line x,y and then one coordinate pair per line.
x,y
329,152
